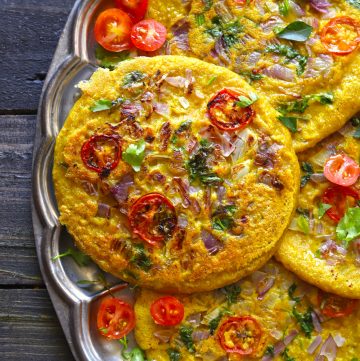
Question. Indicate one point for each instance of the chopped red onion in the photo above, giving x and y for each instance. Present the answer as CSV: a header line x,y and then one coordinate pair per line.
x,y
161,108
253,58
328,349
318,178
220,49
279,348
271,23
147,96
297,9
339,340
176,81
181,34
316,322
200,335
264,286
290,337
121,190
320,65
194,319
277,71
163,335
211,243
314,345
182,221
183,189
89,189
356,248
103,211
320,5
221,191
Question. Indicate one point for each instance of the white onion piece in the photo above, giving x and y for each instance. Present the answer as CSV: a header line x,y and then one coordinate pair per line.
x,y
274,8
184,102
314,345
176,81
339,340
199,94
277,334
239,149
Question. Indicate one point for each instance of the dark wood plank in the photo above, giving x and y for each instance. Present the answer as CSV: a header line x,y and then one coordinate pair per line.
x,y
18,262
29,32
29,328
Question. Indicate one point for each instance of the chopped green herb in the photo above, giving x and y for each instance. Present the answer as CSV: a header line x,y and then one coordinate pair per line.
x,y
322,209
136,354
108,59
133,78
223,217
103,330
100,105
356,123
349,226
80,258
284,7
174,354
317,253
200,19
186,337
251,76
245,102
232,293
208,4
304,320
355,358
140,258
289,122
291,292
308,169
290,54
135,154
296,31
214,323
354,3
270,351
303,224
286,357
100,280
212,79
184,126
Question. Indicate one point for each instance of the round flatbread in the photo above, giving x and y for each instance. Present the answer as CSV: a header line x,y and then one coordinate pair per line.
x,y
310,84
153,188
296,321
322,244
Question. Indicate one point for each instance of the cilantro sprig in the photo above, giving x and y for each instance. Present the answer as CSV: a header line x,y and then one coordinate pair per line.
x,y
80,258
135,154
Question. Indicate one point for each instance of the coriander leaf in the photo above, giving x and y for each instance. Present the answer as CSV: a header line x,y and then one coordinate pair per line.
x,y
135,154
304,321
252,76
101,104
133,78
136,354
232,293
80,258
354,3
289,122
286,356
291,292
140,258
296,31
186,337
200,19
174,354
284,7
322,209
308,169
223,217
303,224
108,59
212,79
244,102
214,323
349,226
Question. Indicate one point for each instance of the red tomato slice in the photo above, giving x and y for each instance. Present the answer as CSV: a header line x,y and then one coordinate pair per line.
x,y
240,335
148,35
112,30
342,170
243,2
339,198
153,218
341,35
335,306
101,153
225,114
135,8
167,311
115,318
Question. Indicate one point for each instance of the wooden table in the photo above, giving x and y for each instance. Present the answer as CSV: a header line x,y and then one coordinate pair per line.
x,y
29,32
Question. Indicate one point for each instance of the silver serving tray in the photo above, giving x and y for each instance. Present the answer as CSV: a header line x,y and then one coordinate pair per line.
x,y
76,304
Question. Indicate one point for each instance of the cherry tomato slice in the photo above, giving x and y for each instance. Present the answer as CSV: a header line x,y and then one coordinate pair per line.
x,y
153,218
335,306
115,318
148,35
135,8
167,311
341,35
243,2
101,153
240,335
339,198
225,114
112,30
342,170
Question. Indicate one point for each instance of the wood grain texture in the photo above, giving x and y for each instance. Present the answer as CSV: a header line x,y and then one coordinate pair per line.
x,y
29,32
29,329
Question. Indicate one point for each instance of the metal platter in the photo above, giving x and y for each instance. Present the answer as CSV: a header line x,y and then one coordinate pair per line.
x,y
74,291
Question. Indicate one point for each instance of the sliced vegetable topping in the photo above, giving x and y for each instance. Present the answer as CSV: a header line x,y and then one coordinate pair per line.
x,y
349,226
341,35
167,311
342,170
335,306
153,218
339,198
296,31
115,318
148,35
240,335
101,153
112,30
135,8
227,111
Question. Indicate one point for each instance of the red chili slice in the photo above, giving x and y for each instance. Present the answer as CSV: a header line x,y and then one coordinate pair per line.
x,y
341,35
225,114
167,311
101,153
335,306
338,198
240,335
153,218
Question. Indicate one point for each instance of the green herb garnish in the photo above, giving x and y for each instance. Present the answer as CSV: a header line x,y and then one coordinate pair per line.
x,y
309,170
135,154
232,293
223,217
80,258
101,104
140,258
133,78
304,320
291,292
244,102
289,122
349,226
322,209
354,3
284,7
200,19
174,354
212,79
285,355
214,323
208,4
136,354
108,59
303,224
185,333
296,31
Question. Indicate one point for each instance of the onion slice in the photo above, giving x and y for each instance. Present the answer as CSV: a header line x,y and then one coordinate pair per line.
x,y
314,345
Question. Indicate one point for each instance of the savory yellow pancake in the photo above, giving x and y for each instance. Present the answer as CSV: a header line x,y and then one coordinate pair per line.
x,y
172,174
270,315
322,244
302,55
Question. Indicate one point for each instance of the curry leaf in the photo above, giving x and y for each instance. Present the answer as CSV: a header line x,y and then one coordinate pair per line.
x,y
289,122
349,226
80,258
296,31
101,104
135,154
322,209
